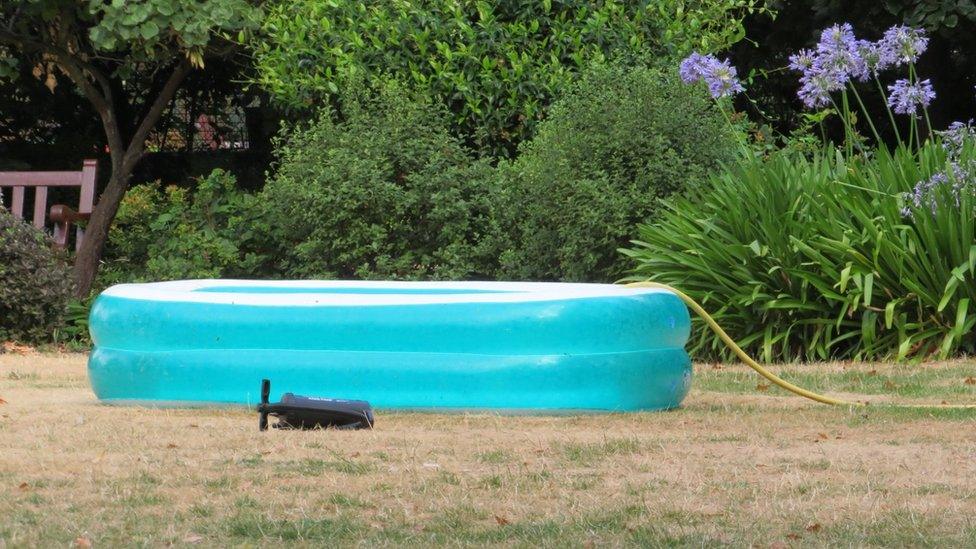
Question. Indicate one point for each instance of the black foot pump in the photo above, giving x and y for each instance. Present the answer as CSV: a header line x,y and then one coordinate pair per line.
x,y
301,412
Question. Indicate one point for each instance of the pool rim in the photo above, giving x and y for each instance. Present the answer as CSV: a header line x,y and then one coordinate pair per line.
x,y
202,291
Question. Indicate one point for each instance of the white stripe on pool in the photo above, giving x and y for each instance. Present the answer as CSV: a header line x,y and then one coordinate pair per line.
x,y
188,291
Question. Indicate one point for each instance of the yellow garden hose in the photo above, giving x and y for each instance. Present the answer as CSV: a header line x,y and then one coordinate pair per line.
x,y
773,378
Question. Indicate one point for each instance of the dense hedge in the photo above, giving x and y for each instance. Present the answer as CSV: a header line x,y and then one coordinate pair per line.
x,y
386,192
172,233
494,65
35,282
619,140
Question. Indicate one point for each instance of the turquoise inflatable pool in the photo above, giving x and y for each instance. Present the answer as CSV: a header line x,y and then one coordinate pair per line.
x,y
400,345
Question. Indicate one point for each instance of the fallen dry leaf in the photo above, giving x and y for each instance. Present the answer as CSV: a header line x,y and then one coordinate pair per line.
x,y
791,535
11,347
502,521
2,401
171,445
970,381
762,387
24,487
822,436
815,527
82,543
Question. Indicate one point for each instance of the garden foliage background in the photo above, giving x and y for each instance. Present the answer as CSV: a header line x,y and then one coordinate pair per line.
x,y
533,140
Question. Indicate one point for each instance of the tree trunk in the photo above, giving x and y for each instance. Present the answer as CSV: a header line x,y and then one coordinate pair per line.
x,y
124,160
96,233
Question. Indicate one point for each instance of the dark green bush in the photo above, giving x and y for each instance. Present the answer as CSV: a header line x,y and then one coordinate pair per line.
x,y
384,193
621,139
35,282
175,233
494,65
814,258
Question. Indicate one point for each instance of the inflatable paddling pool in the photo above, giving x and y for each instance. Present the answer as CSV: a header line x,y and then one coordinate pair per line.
x,y
400,345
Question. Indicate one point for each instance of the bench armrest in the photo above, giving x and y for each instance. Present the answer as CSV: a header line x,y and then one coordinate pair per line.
x,y
63,216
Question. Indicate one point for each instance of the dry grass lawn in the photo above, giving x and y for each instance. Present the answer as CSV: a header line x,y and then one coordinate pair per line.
x,y
732,467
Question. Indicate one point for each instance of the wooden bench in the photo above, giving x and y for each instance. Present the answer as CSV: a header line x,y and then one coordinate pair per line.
x,y
60,215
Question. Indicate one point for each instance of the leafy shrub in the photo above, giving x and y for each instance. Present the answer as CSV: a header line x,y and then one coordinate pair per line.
x,y
73,333
173,234
385,193
495,66
35,282
814,258
621,139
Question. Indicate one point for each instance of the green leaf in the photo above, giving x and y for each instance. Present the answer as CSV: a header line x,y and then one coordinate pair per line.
x,y
868,288
149,30
845,275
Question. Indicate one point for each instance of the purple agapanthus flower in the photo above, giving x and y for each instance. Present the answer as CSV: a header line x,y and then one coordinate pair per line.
x,y
869,59
923,194
802,61
837,38
838,57
720,76
901,44
723,80
906,97
931,193
838,54
693,67
815,89
955,137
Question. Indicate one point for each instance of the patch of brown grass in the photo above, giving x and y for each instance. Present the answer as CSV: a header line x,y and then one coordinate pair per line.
x,y
725,468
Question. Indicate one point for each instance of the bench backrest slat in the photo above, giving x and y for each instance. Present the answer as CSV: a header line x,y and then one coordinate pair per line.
x,y
17,204
40,206
87,200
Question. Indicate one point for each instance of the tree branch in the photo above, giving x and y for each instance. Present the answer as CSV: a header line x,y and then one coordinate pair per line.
x,y
75,37
13,18
102,100
138,142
